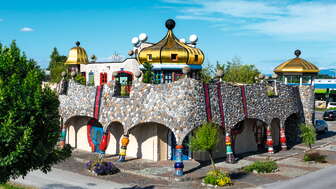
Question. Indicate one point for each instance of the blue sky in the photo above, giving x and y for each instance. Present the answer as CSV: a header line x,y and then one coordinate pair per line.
x,y
264,33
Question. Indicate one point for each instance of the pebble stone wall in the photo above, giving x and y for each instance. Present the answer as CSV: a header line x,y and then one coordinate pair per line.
x,y
181,105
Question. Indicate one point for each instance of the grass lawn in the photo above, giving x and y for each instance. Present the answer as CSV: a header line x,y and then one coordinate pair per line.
x,y
13,186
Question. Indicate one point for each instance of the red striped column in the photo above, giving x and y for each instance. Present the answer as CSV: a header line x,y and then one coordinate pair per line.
x,y
283,137
269,141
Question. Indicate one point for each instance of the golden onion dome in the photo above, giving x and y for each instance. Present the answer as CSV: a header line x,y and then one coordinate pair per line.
x,y
170,50
296,65
77,55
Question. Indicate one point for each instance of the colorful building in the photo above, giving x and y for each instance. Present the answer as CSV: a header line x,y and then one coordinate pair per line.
x,y
155,121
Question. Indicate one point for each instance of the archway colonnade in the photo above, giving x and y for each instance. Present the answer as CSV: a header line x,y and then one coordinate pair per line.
x,y
155,141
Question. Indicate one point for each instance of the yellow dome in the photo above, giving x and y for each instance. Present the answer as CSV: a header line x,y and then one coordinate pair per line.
x,y
77,55
296,65
170,50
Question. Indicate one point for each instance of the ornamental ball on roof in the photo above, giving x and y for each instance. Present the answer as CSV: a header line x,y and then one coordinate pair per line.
x,y
170,24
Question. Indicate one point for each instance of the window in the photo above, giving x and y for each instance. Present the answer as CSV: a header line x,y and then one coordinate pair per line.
x,y
168,77
91,78
149,57
174,57
196,57
103,78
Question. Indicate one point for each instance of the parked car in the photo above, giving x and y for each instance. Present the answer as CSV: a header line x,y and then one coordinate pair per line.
x,y
331,105
321,126
329,115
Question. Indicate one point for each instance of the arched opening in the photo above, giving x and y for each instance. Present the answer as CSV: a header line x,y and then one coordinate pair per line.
x,y
76,132
249,136
218,152
123,82
84,133
95,134
292,130
117,130
149,141
275,129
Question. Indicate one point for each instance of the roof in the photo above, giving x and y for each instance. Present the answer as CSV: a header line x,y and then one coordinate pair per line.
x,y
77,55
296,65
169,47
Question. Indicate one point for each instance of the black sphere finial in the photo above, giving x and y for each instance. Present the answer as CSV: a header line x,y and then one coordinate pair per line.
x,y
77,43
170,24
297,53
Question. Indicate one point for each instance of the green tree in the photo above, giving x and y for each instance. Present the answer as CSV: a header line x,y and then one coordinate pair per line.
x,y
56,65
148,73
29,117
205,139
207,72
80,79
238,73
308,134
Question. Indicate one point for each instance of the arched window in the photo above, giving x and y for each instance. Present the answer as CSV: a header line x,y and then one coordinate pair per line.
x,y
103,78
91,78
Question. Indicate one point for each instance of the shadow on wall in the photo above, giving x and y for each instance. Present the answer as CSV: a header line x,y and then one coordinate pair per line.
x,y
75,126
150,141
292,130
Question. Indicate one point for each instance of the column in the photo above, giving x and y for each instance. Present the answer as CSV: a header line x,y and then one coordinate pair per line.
x,y
123,148
62,137
104,142
285,80
179,161
300,80
283,137
229,153
259,137
269,141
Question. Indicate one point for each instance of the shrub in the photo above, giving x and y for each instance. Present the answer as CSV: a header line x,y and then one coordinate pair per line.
x,y
262,167
308,134
80,79
205,139
218,178
101,167
315,156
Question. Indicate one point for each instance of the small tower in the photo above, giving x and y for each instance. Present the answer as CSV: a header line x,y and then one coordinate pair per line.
x,y
76,57
297,71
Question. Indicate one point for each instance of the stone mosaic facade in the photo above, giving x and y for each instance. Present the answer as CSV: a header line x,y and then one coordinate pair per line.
x,y
181,106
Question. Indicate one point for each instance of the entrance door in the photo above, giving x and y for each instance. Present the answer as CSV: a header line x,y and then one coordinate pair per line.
x,y
186,153
96,135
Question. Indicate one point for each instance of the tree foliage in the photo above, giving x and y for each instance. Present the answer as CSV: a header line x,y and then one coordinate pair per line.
x,y
308,134
56,65
205,139
29,117
236,72
148,73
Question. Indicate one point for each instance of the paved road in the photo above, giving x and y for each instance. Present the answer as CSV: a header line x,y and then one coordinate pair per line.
x,y
59,179
322,179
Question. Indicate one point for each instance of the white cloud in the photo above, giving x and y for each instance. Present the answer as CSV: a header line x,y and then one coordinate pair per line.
x,y
312,20
26,29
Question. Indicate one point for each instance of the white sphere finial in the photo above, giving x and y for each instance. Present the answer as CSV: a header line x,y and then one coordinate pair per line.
x,y
182,40
135,41
193,38
143,37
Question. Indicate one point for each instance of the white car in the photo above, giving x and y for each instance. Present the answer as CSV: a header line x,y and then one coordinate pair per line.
x,y
331,105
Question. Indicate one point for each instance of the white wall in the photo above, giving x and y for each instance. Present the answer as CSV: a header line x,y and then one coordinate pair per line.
x,y
130,65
